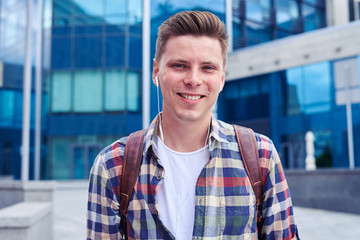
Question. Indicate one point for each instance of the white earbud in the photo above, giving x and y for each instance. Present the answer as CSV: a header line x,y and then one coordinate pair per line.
x,y
220,86
156,81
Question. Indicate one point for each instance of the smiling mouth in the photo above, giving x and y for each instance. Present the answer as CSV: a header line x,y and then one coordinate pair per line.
x,y
190,97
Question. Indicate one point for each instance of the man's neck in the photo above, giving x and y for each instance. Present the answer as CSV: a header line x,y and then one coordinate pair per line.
x,y
185,136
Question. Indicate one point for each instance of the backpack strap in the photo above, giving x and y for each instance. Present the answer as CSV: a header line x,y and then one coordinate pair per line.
x,y
130,172
250,157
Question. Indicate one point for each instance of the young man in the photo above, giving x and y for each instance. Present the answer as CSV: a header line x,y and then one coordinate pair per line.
x,y
192,182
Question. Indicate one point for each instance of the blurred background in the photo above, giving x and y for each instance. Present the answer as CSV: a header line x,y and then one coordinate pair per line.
x,y
75,75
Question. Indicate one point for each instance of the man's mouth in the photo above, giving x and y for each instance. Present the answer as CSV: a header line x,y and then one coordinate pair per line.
x,y
190,97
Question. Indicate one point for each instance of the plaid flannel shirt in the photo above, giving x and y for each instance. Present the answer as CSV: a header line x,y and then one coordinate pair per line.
x,y
224,202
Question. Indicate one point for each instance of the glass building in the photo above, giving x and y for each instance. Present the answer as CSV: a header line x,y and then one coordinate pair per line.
x,y
93,79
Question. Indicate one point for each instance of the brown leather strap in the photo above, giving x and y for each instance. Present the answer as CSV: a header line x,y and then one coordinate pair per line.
x,y
250,156
130,172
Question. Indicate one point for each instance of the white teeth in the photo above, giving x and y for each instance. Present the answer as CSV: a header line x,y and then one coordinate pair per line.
x,y
190,97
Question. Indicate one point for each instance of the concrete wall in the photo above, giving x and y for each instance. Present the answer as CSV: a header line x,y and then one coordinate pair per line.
x,y
12,192
26,210
320,45
26,220
335,189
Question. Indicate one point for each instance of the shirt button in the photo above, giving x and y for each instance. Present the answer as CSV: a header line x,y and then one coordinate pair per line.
x,y
159,177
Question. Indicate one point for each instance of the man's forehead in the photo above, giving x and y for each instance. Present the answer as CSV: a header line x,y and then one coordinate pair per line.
x,y
177,48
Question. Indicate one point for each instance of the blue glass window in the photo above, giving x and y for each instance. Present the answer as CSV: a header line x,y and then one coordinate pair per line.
x,y
245,99
61,92
88,91
88,52
308,89
115,7
88,26
59,157
135,52
287,14
61,53
314,18
257,33
115,90
61,8
258,10
317,87
115,51
88,8
133,91
135,11
7,108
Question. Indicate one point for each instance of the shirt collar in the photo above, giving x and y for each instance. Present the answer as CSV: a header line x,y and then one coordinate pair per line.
x,y
217,134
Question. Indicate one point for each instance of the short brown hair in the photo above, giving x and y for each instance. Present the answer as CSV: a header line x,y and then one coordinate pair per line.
x,y
196,23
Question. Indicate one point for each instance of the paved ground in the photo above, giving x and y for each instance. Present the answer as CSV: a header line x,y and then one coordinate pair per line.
x,y
70,217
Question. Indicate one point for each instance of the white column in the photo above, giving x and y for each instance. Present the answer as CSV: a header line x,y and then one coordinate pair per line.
x,y
349,117
337,12
26,96
229,27
146,64
38,89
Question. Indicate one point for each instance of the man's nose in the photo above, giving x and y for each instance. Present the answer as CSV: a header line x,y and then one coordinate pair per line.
x,y
193,78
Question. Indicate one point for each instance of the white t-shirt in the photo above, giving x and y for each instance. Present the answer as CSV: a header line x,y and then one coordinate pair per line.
x,y
176,196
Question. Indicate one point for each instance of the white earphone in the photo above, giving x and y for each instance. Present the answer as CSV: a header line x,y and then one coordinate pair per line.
x,y
220,86
156,81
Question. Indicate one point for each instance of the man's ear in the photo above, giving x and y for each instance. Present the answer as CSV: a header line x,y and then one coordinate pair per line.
x,y
222,80
155,72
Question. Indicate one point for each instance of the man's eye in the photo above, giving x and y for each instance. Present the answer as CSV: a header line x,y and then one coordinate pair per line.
x,y
208,68
179,66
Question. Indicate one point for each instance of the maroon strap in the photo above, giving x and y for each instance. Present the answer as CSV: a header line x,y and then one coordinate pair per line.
x,y
250,156
130,172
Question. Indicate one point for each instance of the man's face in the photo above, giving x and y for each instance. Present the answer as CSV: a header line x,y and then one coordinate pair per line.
x,y
191,75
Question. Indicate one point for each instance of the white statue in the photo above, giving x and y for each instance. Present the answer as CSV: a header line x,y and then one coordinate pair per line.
x,y
310,150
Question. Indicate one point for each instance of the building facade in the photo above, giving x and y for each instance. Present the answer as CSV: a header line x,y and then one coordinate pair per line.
x,y
279,79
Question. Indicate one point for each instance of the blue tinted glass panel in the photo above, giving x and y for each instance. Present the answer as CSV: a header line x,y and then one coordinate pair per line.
x,y
295,99
135,52
317,87
7,108
86,21
167,8
238,33
115,7
135,11
282,34
117,21
61,8
258,10
88,8
248,87
287,14
61,53
319,2
88,91
115,51
18,108
79,163
115,90
88,52
60,159
61,92
136,28
133,91
314,18
61,31
61,22
88,28
257,33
